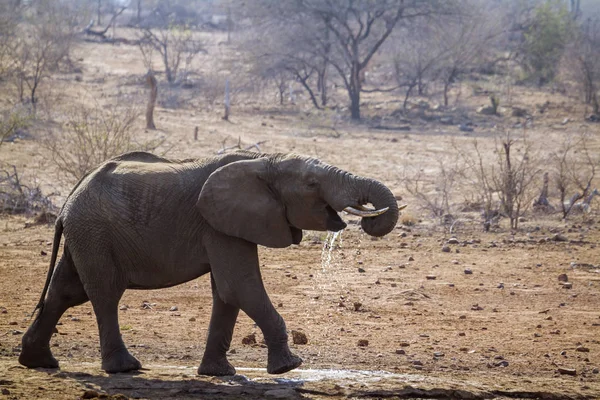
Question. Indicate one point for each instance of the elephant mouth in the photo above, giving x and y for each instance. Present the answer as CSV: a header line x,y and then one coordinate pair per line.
x,y
296,234
334,221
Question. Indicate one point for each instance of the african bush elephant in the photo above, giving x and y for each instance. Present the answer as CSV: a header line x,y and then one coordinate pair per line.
x,y
143,222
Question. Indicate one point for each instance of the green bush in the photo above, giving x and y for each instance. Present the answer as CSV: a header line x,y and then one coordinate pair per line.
x,y
545,40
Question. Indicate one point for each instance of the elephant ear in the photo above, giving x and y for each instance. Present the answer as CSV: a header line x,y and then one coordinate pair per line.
x,y
236,201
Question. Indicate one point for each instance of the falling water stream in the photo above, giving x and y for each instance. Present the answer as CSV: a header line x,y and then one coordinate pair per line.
x,y
328,246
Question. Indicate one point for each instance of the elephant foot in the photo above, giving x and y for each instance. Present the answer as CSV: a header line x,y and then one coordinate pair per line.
x,y
216,367
37,358
120,361
280,365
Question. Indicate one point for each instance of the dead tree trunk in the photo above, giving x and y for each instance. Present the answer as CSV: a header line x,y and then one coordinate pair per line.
x,y
542,202
227,103
151,82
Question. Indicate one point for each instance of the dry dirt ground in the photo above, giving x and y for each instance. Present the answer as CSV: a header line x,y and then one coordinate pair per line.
x,y
393,317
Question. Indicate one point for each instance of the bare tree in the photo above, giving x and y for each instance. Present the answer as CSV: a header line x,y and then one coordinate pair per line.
x,y
42,42
344,35
574,167
461,44
582,61
176,45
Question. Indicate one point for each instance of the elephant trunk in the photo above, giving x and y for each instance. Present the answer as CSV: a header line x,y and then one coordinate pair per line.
x,y
359,191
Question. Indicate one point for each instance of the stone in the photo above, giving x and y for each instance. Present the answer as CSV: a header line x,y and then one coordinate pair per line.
x,y
411,258
361,270
438,354
90,394
362,343
357,306
5,391
563,278
417,362
582,349
400,351
557,237
567,371
446,249
249,339
566,285
299,337
453,240
468,271
431,277
174,308
192,319
465,128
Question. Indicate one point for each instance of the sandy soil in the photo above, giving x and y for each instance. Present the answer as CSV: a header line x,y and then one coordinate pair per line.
x,y
393,317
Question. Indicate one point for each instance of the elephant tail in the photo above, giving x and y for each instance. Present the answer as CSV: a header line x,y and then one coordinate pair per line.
x,y
58,230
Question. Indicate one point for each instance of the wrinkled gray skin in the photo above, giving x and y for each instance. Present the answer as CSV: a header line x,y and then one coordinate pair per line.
x,y
143,222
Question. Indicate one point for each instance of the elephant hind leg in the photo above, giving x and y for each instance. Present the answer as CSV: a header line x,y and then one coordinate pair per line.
x,y
105,300
65,291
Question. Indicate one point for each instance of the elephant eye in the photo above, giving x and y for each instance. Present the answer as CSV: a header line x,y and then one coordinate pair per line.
x,y
312,185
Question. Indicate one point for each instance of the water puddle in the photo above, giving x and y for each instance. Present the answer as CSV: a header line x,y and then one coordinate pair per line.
x,y
338,375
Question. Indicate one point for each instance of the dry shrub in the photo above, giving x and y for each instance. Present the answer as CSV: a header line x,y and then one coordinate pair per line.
x,y
93,135
17,197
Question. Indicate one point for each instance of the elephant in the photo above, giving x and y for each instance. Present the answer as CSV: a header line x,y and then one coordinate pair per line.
x,y
140,221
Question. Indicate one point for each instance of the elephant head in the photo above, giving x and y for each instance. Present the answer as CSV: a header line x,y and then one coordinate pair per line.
x,y
269,200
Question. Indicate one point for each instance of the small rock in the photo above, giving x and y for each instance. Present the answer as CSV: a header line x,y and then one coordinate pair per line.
x,y
17,332
43,253
453,240
192,319
279,305
431,277
567,285
502,363
363,343
438,354
567,371
476,307
90,394
404,344
174,308
445,249
357,306
559,238
124,307
361,270
417,362
411,258
582,349
563,278
400,351
250,339
5,391
595,371
500,285
465,128
468,271
299,337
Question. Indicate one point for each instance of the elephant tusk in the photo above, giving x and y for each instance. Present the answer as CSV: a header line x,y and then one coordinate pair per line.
x,y
365,212
402,207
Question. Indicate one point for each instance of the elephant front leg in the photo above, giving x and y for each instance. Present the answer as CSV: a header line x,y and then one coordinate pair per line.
x,y
235,269
220,331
